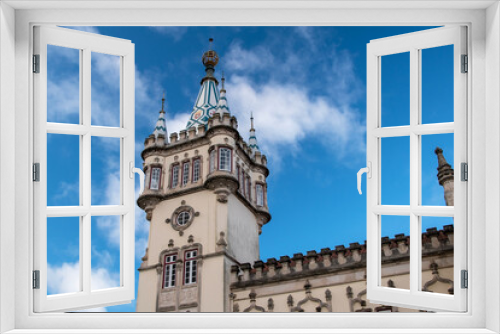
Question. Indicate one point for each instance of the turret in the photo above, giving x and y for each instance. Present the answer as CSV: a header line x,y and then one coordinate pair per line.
x,y
445,177
208,97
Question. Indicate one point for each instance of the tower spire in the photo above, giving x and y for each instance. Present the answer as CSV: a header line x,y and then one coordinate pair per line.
x,y
161,126
222,106
445,177
208,97
252,141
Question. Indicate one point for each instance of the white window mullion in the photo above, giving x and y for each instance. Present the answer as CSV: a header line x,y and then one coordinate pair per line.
x,y
414,170
86,167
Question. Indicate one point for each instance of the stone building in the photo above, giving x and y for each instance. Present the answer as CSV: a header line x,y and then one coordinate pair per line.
x,y
206,200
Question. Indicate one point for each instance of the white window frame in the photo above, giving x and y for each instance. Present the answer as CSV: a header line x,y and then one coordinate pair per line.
x,y
413,43
16,20
175,175
156,177
190,267
86,44
227,159
185,173
196,170
169,270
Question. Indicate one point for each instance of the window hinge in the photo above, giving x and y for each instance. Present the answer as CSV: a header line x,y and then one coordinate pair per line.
x,y
464,171
36,172
36,63
36,279
465,279
465,64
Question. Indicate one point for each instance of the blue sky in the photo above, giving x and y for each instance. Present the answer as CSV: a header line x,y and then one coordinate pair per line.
x,y
306,87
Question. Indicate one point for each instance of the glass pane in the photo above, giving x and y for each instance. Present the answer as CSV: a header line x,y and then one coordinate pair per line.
x,y
63,85
63,255
63,170
395,232
105,252
437,254
105,89
437,169
395,167
437,84
105,171
395,92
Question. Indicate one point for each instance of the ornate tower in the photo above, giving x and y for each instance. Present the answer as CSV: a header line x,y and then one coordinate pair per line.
x,y
205,198
445,177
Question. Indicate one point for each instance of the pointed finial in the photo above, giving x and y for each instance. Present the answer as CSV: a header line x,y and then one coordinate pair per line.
x,y
441,160
210,42
163,102
251,121
223,79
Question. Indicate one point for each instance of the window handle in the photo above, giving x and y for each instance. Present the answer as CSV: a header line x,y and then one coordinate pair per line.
x,y
139,171
368,171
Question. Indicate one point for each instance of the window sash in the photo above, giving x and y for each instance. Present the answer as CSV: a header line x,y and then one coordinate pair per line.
x,y
259,194
212,161
225,159
414,297
196,170
86,43
190,267
154,184
169,271
185,173
175,176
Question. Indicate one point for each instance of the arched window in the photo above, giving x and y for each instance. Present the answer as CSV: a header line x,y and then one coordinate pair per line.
x,y
225,159
154,182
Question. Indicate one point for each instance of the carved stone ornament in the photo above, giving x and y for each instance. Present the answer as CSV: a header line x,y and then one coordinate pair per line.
x,y
182,218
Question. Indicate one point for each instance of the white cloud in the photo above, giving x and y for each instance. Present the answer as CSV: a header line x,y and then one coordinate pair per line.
x,y
175,32
65,278
286,114
293,99
238,59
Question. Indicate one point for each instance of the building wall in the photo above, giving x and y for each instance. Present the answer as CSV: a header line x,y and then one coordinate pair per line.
x,y
335,281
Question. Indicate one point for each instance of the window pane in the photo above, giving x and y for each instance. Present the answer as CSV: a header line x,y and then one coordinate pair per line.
x,y
105,171
63,170
175,176
155,178
395,167
437,169
395,94
63,255
437,254
105,252
63,85
105,89
437,84
395,231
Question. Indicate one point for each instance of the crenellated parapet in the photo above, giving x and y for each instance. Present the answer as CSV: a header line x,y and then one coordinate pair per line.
x,y
327,261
